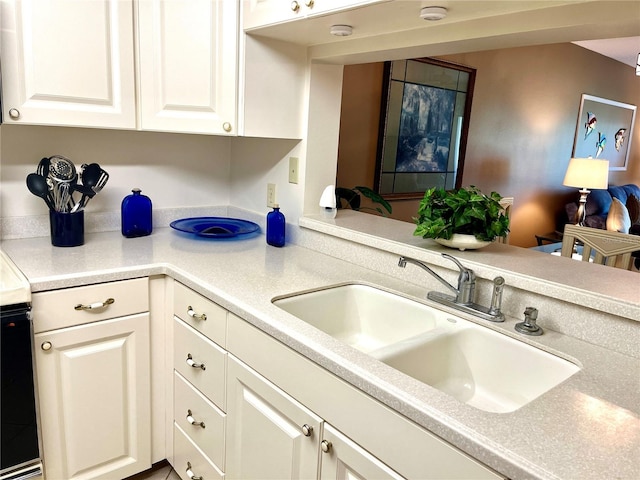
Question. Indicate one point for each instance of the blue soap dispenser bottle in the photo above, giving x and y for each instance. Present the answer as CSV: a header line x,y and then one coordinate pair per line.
x,y
136,215
275,227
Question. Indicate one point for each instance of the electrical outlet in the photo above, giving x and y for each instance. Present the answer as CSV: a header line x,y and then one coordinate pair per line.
x,y
293,169
271,195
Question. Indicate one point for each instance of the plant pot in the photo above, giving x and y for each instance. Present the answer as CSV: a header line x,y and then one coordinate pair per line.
x,y
462,242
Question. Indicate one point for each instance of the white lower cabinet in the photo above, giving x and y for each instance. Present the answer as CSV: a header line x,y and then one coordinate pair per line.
x,y
343,459
269,435
199,398
189,461
368,439
93,382
270,413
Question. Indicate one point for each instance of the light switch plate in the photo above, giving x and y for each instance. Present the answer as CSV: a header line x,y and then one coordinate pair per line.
x,y
293,169
271,195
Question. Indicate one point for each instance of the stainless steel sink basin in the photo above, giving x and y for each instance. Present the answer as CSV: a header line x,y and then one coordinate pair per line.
x,y
474,364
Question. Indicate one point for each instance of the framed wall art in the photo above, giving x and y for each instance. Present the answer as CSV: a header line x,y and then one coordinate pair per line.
x,y
423,126
604,131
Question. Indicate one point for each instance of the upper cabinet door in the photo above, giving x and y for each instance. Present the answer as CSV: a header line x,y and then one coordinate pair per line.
x,y
188,65
260,13
68,62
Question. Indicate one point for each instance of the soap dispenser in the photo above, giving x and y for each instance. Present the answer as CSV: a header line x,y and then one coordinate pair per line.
x,y
136,215
275,227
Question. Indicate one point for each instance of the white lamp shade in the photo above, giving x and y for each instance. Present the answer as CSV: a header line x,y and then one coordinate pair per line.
x,y
587,173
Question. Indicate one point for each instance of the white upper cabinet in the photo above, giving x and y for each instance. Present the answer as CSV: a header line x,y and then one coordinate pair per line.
x,y
261,13
163,65
66,62
188,65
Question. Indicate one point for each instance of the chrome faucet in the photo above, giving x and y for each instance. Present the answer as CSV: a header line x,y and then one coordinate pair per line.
x,y
466,278
465,293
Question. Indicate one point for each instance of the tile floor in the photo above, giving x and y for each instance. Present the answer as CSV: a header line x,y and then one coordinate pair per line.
x,y
160,471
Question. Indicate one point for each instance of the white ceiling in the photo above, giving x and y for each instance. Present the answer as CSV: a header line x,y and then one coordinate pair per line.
x,y
624,50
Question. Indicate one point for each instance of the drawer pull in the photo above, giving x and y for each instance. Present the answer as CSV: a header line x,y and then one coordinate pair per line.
x,y
93,306
190,473
198,316
192,420
193,364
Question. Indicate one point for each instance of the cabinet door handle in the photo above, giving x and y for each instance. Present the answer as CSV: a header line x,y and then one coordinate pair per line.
x,y
198,316
326,445
191,362
295,6
193,421
93,306
190,473
14,113
307,430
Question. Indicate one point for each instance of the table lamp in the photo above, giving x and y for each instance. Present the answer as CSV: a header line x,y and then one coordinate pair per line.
x,y
586,173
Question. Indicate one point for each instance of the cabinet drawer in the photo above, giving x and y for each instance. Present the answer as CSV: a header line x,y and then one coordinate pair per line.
x,y
186,454
209,437
193,347
201,313
57,308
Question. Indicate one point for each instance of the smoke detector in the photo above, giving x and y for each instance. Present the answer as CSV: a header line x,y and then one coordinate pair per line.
x,y
433,13
341,30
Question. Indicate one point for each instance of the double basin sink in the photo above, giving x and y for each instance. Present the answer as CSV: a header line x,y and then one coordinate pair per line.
x,y
474,364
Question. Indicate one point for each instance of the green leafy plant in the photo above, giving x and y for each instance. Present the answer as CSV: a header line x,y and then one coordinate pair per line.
x,y
351,198
466,210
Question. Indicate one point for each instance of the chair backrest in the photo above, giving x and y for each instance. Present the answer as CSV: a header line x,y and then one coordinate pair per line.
x,y
609,248
506,203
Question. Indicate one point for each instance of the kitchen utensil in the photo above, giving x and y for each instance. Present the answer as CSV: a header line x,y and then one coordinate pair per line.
x,y
63,174
61,168
90,174
43,167
94,176
37,185
65,197
87,194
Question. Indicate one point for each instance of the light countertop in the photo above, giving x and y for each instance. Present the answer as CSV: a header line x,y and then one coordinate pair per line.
x,y
587,427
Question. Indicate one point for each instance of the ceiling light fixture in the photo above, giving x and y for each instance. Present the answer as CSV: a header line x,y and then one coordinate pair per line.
x,y
638,65
341,30
433,13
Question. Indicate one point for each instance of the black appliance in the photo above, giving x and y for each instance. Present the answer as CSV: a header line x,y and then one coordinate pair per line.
x,y
19,448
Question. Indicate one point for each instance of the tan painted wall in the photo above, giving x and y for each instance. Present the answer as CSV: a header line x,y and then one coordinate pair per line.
x,y
523,121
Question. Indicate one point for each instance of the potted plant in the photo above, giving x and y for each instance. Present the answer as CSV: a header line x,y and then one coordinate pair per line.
x,y
463,218
352,198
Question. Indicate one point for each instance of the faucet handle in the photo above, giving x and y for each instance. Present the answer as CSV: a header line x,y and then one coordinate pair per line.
x,y
466,274
529,326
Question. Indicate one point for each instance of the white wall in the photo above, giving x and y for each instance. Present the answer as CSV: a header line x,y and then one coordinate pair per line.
x,y
258,161
174,170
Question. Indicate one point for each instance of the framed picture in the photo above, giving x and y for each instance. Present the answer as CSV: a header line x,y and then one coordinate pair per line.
x,y
604,131
423,127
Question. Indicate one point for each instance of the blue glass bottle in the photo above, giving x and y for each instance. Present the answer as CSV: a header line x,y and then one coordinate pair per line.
x,y
136,215
275,227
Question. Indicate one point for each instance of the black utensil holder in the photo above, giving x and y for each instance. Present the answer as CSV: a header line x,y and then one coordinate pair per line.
x,y
67,229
